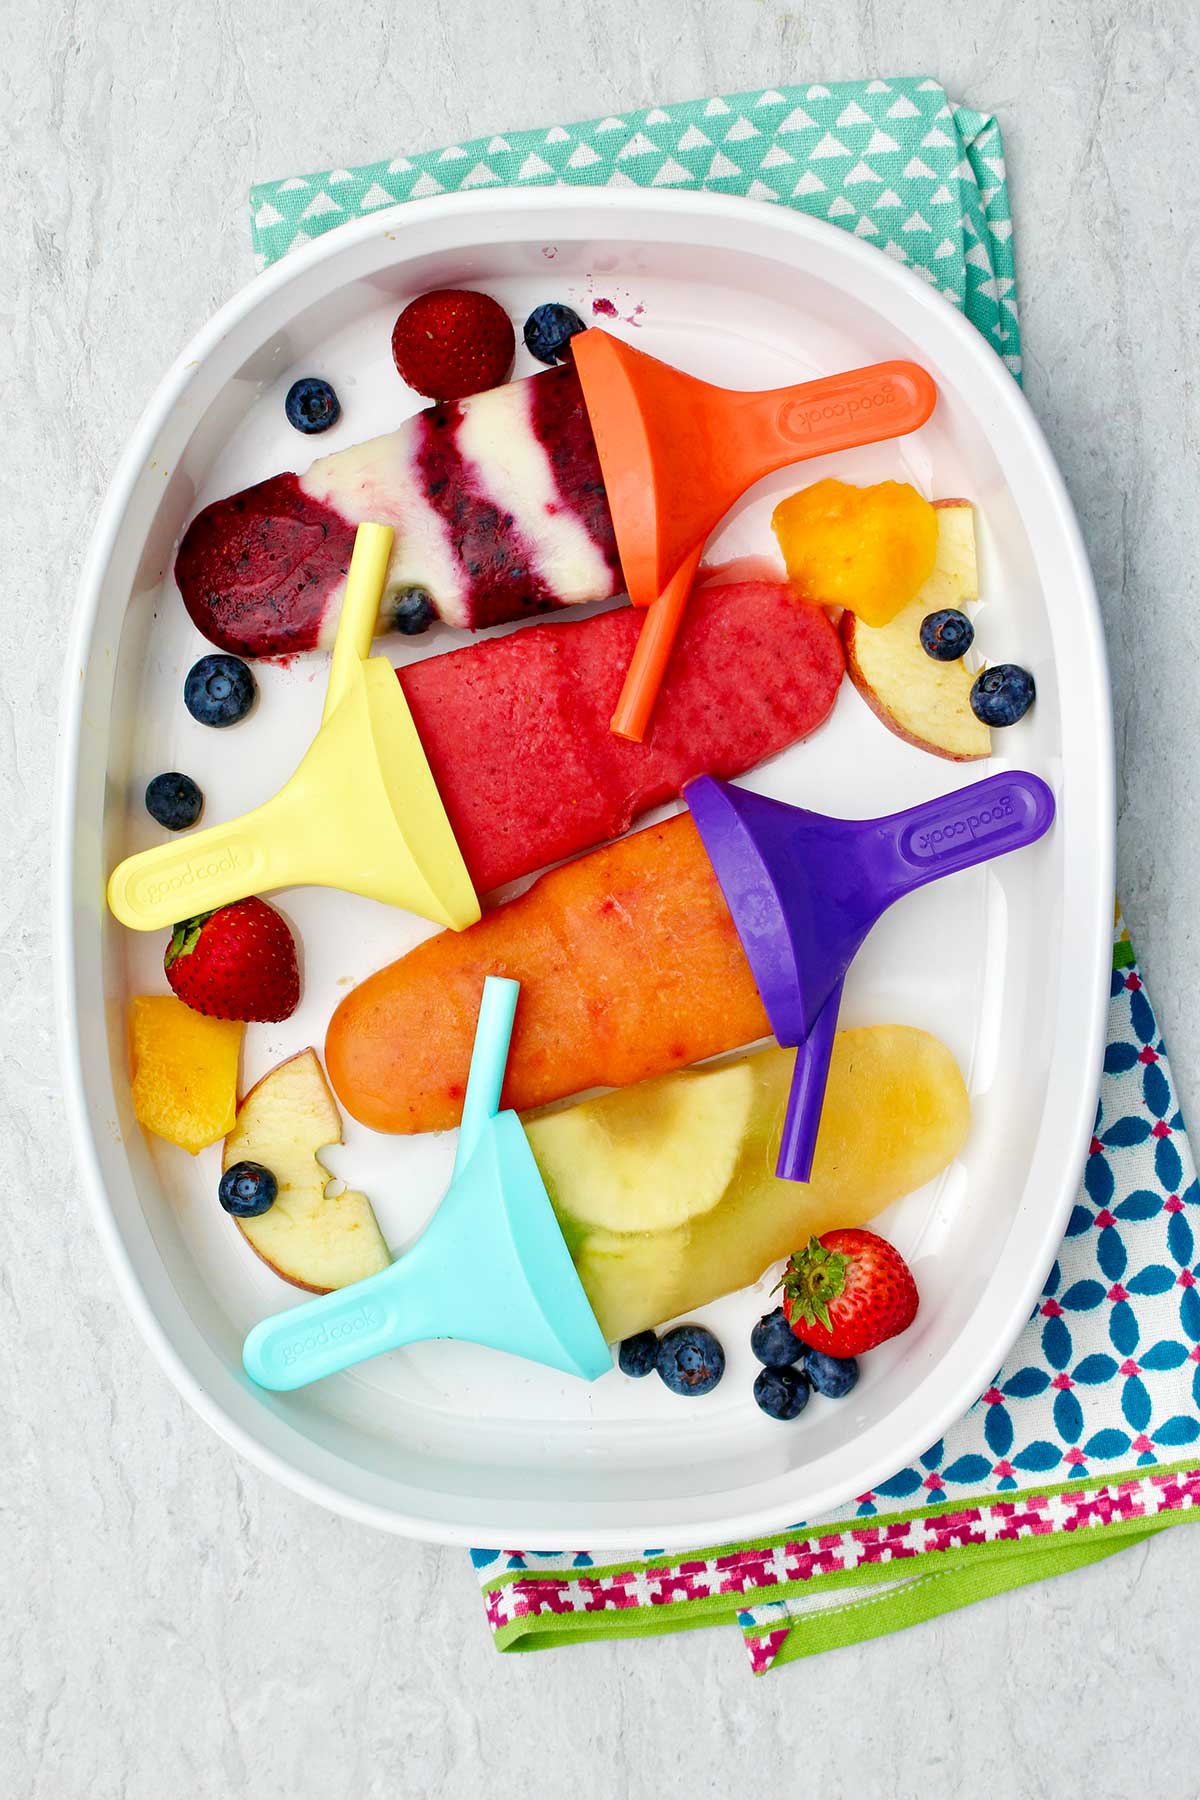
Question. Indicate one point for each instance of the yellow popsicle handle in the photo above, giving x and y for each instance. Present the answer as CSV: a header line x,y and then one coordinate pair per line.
x,y
360,608
361,813
212,868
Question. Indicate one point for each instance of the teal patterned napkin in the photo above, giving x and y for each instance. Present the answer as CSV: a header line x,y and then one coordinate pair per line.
x,y
894,162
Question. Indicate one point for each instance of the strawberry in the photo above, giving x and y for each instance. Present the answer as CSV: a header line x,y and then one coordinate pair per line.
x,y
847,1292
236,963
453,342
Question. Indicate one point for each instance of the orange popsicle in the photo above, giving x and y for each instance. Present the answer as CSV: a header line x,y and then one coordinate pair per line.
x,y
629,966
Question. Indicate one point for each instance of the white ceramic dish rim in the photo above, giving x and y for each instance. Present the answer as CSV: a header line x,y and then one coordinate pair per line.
x,y
1031,1243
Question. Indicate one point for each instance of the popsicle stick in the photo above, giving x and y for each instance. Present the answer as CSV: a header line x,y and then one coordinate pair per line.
x,y
489,1058
806,1098
649,662
360,609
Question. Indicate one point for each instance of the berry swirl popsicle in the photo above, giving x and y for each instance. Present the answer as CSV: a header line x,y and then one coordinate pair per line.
x,y
498,506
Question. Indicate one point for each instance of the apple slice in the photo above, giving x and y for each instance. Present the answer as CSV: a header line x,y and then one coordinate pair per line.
x,y
955,575
313,1239
647,1157
925,702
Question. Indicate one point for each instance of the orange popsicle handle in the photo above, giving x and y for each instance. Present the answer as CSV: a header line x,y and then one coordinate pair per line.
x,y
741,437
648,664
839,412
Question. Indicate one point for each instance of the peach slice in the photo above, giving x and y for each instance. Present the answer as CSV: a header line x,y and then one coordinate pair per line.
x,y
183,1068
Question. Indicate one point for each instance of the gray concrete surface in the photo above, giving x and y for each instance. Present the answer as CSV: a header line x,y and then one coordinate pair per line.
x,y
171,1623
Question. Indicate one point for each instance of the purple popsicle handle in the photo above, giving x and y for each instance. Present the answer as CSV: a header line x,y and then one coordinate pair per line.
x,y
804,890
957,831
806,1096
923,843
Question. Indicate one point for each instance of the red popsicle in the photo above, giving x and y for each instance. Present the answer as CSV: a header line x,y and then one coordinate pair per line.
x,y
516,729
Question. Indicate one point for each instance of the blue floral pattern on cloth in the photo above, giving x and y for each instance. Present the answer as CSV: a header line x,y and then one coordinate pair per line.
x,y
1107,1373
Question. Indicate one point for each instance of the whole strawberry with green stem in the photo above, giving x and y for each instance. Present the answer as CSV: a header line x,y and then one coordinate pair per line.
x,y
236,963
848,1291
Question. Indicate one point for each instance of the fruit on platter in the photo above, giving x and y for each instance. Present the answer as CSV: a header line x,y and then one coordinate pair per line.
x,y
219,690
833,1376
311,405
690,1360
923,700
517,729
549,330
1002,694
848,1291
896,1113
183,1070
638,1356
947,634
791,1371
238,962
247,1189
781,1392
452,342
174,800
870,549
313,1238
773,1343
955,574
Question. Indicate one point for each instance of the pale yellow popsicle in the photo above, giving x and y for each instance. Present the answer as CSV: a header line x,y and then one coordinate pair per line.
x,y
666,1191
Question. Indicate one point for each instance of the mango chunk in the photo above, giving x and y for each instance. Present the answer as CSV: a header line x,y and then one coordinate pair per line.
x,y
868,549
183,1067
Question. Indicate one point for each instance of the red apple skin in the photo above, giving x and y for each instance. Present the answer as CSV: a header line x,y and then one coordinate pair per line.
x,y
290,1279
307,1287
877,706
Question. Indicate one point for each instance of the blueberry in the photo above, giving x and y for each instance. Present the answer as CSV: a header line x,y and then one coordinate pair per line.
x,y
832,1376
773,1341
219,690
781,1393
946,635
638,1355
415,612
549,330
1003,695
312,405
690,1360
174,800
247,1189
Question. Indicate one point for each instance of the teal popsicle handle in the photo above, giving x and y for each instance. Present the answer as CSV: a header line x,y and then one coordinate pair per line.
x,y
329,1333
489,1056
420,1296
